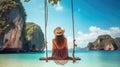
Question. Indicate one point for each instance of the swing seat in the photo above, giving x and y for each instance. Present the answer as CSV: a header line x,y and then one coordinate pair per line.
x,y
51,58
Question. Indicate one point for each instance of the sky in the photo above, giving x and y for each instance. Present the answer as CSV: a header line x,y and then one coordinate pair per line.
x,y
92,18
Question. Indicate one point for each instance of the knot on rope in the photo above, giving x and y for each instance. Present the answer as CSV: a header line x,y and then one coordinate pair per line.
x,y
46,42
75,45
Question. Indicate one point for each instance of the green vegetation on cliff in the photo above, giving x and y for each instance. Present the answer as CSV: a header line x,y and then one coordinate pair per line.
x,y
34,37
5,8
50,1
103,42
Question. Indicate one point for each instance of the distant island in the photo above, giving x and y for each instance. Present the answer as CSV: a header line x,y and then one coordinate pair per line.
x,y
105,42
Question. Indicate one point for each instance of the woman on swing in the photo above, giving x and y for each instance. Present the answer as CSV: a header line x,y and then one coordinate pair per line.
x,y
59,46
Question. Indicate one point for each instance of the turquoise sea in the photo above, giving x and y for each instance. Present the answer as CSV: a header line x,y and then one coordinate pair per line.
x,y
88,59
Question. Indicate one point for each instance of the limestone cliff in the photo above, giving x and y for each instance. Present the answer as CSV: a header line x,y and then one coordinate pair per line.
x,y
12,24
35,37
117,42
103,42
90,46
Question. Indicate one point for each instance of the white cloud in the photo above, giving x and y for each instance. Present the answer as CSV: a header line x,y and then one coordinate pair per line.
x,y
58,7
84,38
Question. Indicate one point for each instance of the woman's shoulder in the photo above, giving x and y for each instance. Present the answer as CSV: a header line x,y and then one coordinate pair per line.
x,y
53,40
65,38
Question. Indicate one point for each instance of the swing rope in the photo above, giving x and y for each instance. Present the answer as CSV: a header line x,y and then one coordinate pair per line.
x,y
46,20
45,42
74,45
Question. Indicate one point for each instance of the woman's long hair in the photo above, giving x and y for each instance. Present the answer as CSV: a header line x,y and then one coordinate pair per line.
x,y
60,40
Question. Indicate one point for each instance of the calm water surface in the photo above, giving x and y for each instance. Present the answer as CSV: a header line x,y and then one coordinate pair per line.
x,y
88,59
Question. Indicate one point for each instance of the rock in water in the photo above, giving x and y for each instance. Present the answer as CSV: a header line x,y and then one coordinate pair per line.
x,y
14,17
103,42
35,37
117,41
90,46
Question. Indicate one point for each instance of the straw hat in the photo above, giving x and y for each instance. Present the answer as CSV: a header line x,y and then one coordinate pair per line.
x,y
59,31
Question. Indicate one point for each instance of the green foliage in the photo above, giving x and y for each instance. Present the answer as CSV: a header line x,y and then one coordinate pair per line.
x,y
30,28
104,36
53,2
103,40
26,0
33,34
5,8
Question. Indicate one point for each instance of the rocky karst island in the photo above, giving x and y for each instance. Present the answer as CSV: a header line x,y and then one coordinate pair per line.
x,y
17,35
105,42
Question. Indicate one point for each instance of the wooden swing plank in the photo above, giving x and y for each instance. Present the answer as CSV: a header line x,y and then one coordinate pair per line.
x,y
50,58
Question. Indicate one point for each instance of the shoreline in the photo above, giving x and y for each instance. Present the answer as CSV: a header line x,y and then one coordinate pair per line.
x,y
33,52
17,51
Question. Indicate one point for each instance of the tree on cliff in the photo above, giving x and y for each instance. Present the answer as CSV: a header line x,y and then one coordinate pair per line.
x,y
50,1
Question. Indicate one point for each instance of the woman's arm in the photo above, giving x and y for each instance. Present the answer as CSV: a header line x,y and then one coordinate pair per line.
x,y
66,46
52,47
